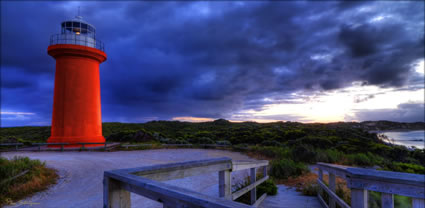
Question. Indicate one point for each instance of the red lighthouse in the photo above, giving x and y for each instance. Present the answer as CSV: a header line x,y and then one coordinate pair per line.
x,y
76,107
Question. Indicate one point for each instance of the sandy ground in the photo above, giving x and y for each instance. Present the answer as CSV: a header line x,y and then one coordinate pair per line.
x,y
81,174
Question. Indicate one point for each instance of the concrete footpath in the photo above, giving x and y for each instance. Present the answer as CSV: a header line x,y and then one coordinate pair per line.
x,y
81,174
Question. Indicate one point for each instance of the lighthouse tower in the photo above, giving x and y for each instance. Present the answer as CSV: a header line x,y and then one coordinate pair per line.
x,y
76,106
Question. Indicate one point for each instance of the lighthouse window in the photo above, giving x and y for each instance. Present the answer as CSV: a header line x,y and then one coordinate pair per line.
x,y
68,24
84,26
76,24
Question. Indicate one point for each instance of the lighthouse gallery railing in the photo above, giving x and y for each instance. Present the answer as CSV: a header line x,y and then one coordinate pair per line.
x,y
76,40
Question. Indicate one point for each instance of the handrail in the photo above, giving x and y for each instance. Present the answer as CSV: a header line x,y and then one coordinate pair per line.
x,y
77,40
63,144
361,180
145,181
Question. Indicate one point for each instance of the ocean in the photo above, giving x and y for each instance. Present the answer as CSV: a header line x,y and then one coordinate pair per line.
x,y
406,138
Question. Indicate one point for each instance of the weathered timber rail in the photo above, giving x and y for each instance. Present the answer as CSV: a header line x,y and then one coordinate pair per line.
x,y
178,145
362,180
16,145
145,181
61,145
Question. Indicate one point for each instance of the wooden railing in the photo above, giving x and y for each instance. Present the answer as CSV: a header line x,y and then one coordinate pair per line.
x,y
362,180
16,145
62,145
145,181
176,145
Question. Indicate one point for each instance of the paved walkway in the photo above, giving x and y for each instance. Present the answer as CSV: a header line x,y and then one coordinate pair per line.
x,y
81,174
287,197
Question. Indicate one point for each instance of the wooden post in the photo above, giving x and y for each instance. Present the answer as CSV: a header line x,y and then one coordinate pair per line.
x,y
114,196
387,200
418,203
359,198
332,186
225,184
321,179
61,147
105,147
254,190
82,147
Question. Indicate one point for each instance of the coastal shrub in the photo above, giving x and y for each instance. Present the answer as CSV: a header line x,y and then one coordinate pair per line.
x,y
310,189
304,153
360,159
131,136
240,147
317,142
294,134
321,156
272,152
419,155
406,167
334,155
201,140
268,187
167,140
284,168
271,143
398,153
223,142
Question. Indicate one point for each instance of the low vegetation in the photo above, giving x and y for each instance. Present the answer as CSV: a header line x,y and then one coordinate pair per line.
x,y
289,146
21,177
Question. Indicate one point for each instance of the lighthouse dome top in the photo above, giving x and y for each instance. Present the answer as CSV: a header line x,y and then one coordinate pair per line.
x,y
78,26
76,31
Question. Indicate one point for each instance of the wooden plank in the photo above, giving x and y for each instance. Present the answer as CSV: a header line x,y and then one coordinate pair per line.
x,y
248,164
387,200
333,195
322,202
241,192
115,196
177,166
186,172
332,187
387,176
418,203
261,199
413,191
359,198
321,179
225,184
162,192
339,170
253,175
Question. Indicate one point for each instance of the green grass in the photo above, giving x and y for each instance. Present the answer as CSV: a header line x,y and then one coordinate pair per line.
x,y
37,178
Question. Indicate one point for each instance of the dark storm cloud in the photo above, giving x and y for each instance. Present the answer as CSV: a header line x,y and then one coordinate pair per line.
x,y
213,59
406,112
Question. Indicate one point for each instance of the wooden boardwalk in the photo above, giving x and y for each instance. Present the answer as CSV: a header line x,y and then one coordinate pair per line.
x,y
287,197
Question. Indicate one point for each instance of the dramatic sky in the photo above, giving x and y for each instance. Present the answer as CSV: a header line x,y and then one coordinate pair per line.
x,y
250,60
